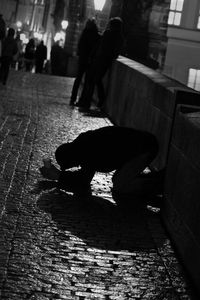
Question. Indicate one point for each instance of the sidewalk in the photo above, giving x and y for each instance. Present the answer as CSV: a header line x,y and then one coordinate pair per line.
x,y
53,246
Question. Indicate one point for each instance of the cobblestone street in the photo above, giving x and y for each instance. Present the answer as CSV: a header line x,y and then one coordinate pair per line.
x,y
57,246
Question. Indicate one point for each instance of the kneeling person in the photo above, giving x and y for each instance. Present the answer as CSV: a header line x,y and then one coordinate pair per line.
x,y
126,150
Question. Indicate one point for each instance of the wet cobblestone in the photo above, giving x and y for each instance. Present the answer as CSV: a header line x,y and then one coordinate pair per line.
x,y
56,246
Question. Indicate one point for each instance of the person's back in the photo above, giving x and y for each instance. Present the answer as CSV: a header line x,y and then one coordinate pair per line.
x,y
112,40
108,148
88,41
30,50
41,51
57,57
9,49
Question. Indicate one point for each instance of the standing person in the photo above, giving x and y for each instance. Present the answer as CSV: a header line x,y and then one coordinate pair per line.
x,y
86,46
29,55
40,57
126,150
18,56
57,59
9,49
108,50
2,32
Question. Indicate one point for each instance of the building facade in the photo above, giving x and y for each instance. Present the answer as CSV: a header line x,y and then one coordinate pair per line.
x,y
182,60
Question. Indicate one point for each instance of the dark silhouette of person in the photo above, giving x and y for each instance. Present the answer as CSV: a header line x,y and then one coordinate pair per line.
x,y
2,28
40,57
103,150
29,55
9,49
18,58
107,51
86,46
2,32
58,59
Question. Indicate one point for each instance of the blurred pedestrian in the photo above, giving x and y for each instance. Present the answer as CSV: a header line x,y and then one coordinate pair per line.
x,y
29,55
58,59
17,59
2,32
40,57
126,150
9,49
107,51
86,46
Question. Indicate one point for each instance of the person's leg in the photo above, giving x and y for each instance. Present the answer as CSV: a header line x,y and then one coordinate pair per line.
x,y
80,73
124,178
102,67
88,88
5,66
100,93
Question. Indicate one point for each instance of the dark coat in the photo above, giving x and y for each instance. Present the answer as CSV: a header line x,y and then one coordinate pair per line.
x,y
41,52
9,48
110,45
2,28
30,51
87,43
106,149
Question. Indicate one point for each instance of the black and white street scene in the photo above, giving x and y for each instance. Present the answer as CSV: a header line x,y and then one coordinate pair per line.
x,y
99,149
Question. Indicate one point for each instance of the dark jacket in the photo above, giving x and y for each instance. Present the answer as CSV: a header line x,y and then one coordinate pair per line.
x,y
41,52
110,44
107,148
30,50
2,28
9,48
87,43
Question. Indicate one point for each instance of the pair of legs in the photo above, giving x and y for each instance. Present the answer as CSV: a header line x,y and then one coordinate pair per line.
x,y
39,65
5,66
29,65
125,179
82,67
94,78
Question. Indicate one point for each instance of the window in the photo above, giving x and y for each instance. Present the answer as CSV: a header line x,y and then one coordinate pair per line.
x,y
194,79
175,12
198,22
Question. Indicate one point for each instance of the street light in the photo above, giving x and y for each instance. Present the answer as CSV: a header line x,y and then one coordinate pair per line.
x,y
99,4
19,25
64,24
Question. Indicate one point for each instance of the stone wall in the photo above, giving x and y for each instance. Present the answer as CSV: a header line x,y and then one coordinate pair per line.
x,y
181,209
140,97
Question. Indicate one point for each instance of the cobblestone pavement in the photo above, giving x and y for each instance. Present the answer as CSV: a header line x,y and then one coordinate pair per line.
x,y
56,246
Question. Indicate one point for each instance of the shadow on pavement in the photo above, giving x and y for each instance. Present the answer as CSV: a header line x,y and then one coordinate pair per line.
x,y
98,222
95,114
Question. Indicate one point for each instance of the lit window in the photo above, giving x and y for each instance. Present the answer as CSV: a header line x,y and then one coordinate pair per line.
x,y
194,79
175,12
198,22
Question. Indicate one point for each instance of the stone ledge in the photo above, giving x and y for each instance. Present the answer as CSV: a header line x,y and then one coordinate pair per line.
x,y
181,208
